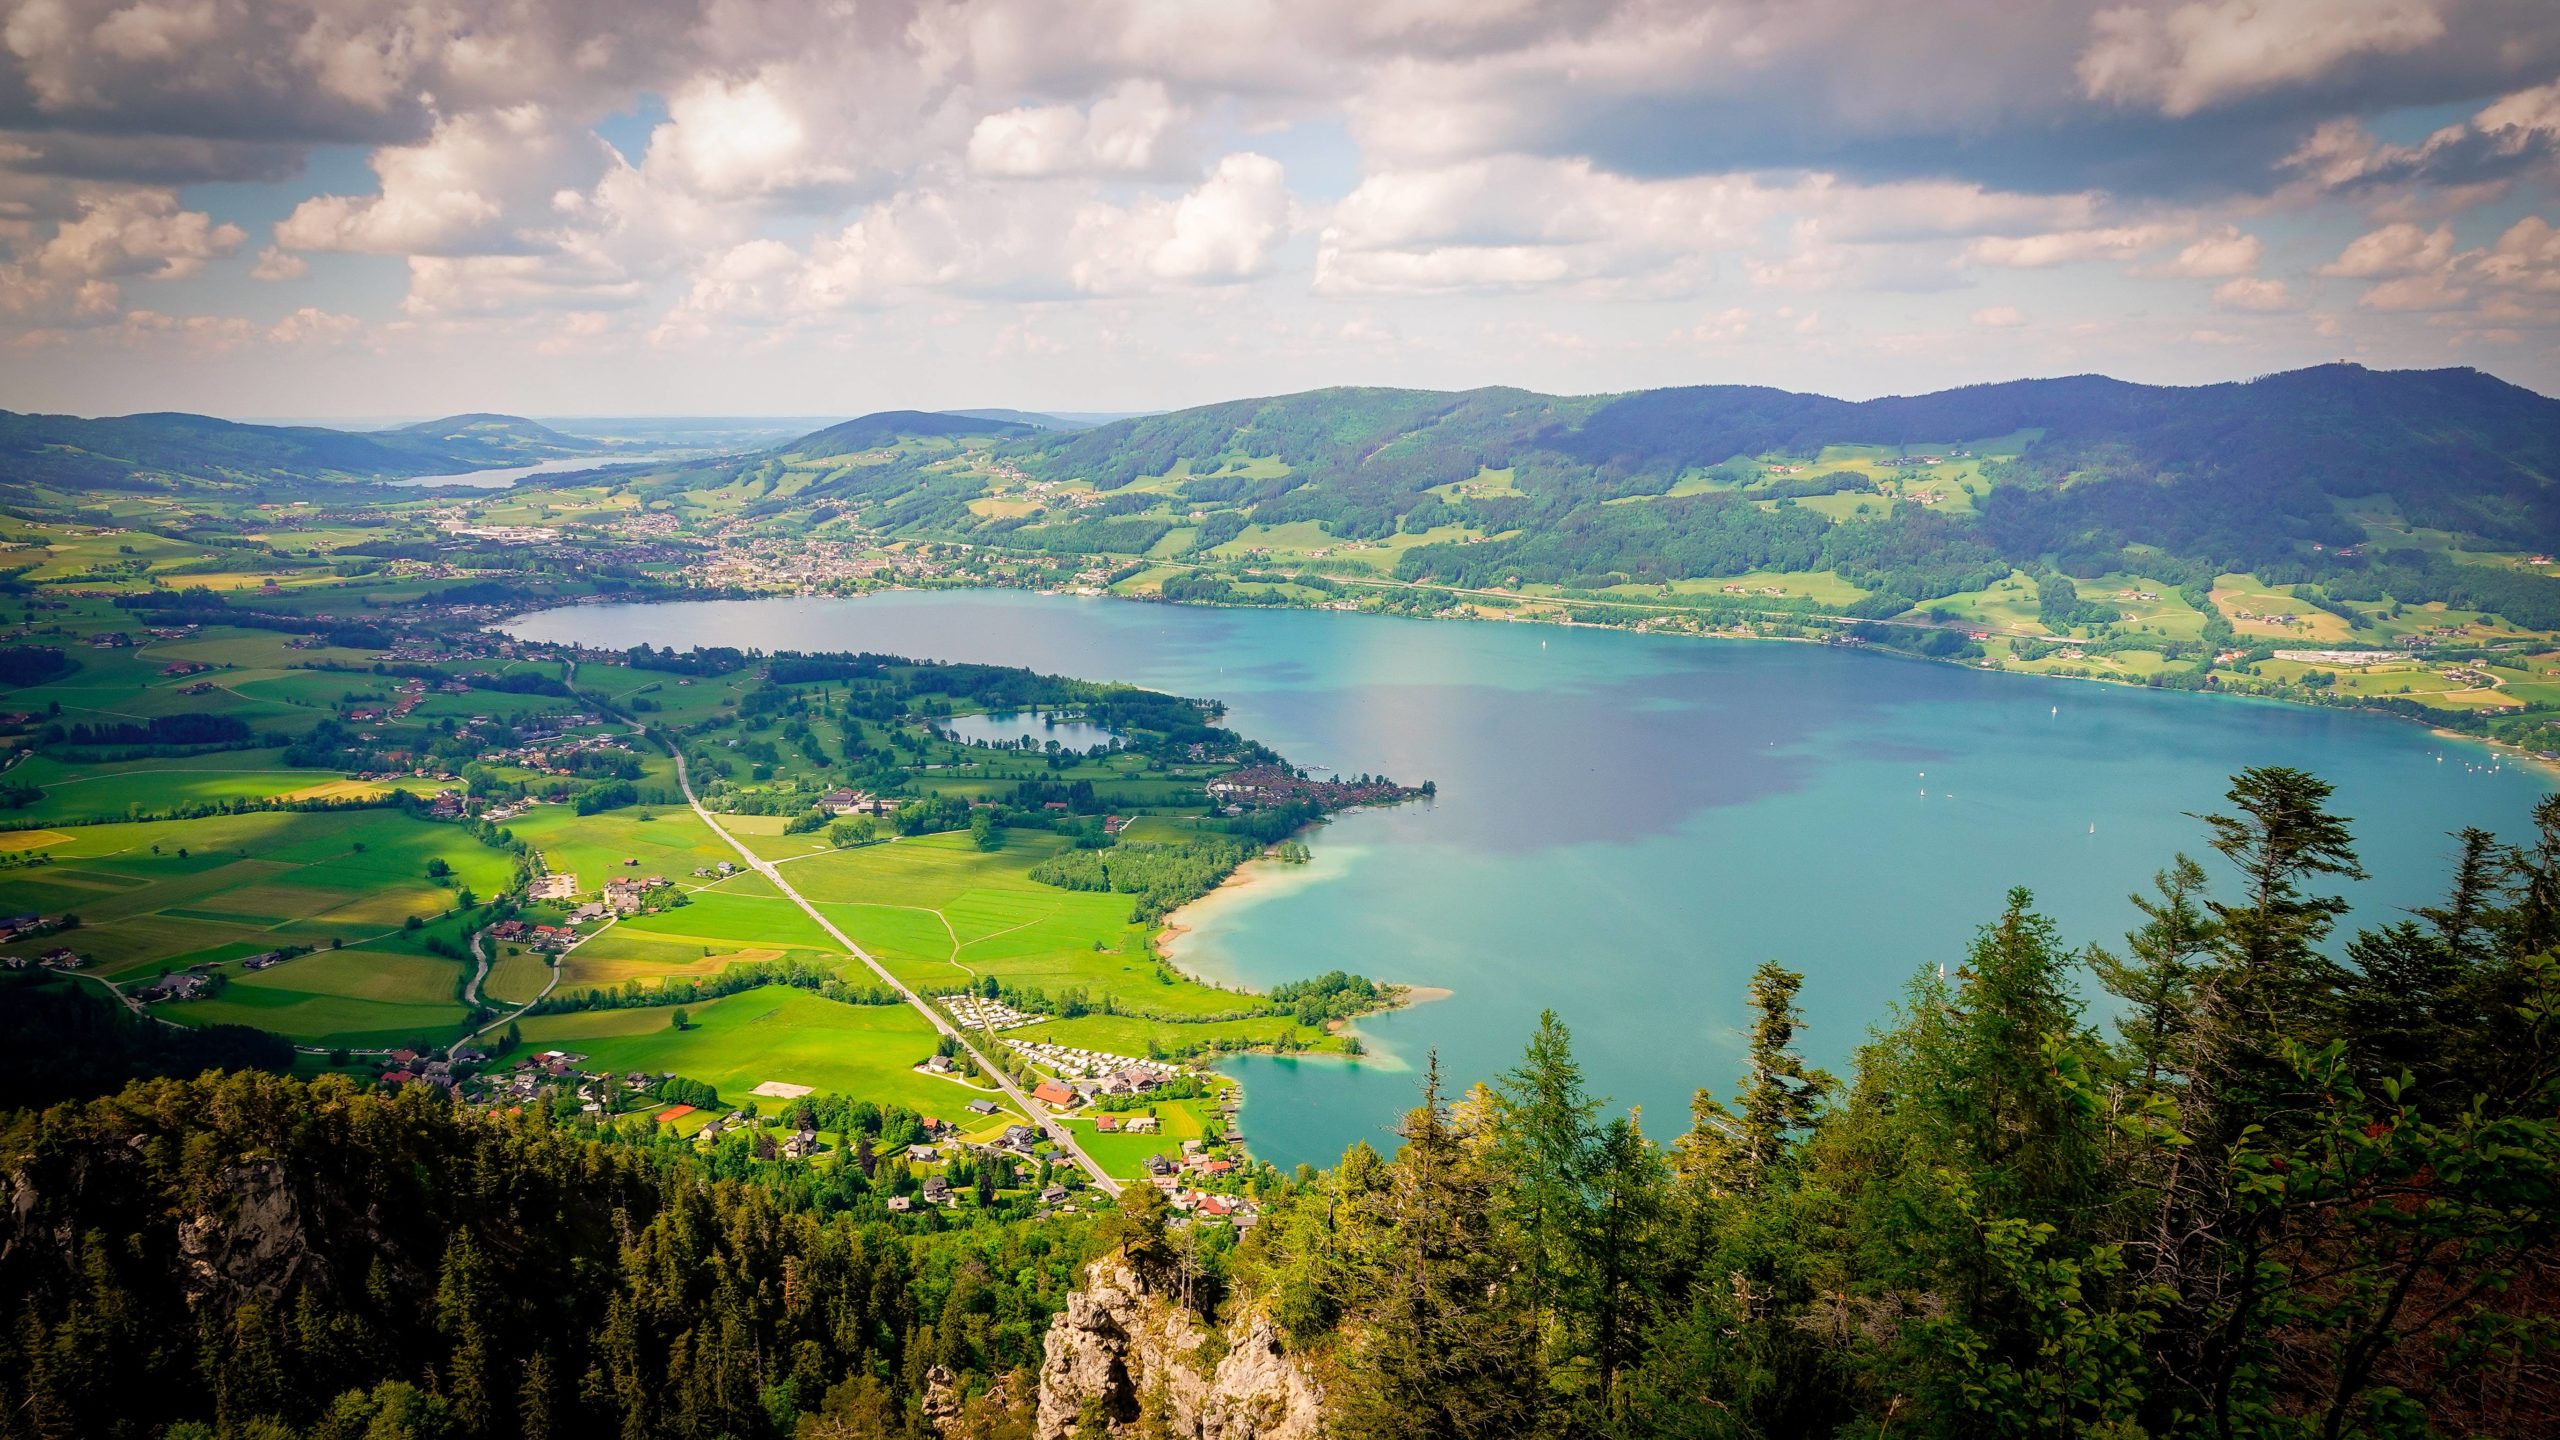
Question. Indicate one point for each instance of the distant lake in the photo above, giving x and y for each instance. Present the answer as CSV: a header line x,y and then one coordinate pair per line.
x,y
501,479
1628,824
1038,729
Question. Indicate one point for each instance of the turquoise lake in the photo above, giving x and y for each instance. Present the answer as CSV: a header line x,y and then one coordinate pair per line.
x,y
1626,825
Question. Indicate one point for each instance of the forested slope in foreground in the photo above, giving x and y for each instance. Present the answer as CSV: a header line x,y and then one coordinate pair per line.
x,y
2286,1196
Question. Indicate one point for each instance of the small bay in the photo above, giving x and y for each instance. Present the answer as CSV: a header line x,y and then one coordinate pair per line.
x,y
1626,825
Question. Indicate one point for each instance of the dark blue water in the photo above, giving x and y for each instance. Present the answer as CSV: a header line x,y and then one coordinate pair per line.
x,y
1628,824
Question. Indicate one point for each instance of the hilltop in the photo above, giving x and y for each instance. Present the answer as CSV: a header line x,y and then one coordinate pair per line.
x,y
169,450
489,440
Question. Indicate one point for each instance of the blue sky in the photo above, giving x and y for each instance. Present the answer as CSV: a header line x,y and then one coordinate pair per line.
x,y
346,207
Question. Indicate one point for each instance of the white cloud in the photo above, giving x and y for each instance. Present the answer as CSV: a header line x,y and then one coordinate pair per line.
x,y
2069,247
2229,251
2396,249
1124,132
474,187
2251,293
1050,240
75,275
135,233
1999,317
2414,292
2192,56
315,328
2526,256
1517,222
276,263
1222,231
1720,327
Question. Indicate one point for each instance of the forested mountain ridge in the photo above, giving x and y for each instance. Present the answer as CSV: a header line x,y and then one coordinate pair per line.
x,y
2454,449
175,451
2376,508
487,440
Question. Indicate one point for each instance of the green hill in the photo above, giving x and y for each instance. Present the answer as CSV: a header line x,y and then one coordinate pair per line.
x,y
169,450
888,427
2409,485
488,440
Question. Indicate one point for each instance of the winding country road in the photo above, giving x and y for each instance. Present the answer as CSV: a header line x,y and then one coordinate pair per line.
x,y
1064,1138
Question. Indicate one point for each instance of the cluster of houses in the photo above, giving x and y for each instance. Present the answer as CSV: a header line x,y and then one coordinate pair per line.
x,y
798,1145
505,534
60,957
855,802
408,1067
1111,1074
27,927
186,985
554,759
599,1092
2279,620
534,936
978,1013
627,896
1274,785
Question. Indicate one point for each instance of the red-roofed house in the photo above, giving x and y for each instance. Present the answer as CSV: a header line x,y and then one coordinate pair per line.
x,y
1050,1092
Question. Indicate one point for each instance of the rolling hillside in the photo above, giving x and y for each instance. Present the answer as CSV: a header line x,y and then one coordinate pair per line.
x,y
2375,487
167,450
488,440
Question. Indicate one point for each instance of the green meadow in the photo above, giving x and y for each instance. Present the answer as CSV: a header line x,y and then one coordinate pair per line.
x,y
775,1032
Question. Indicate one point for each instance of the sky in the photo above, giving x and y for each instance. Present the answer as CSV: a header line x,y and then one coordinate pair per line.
x,y
385,208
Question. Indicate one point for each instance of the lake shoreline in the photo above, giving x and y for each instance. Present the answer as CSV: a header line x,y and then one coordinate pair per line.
x,y
1738,631
1256,874
1625,829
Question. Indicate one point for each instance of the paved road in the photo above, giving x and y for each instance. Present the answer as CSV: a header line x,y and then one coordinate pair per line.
x,y
1039,1114
478,939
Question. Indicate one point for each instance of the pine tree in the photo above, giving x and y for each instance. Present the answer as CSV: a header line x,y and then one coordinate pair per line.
x,y
1616,1254
1540,1134
1447,1349
1780,1097
2157,980
2272,978
1997,1077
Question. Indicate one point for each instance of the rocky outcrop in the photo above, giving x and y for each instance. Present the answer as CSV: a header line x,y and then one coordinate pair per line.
x,y
1121,1351
257,1244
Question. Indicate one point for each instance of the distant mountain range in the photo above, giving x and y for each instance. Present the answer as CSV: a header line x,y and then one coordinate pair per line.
x,y
70,454
2083,474
2086,474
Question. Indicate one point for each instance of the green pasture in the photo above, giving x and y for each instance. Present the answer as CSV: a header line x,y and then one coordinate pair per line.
x,y
775,1032
666,839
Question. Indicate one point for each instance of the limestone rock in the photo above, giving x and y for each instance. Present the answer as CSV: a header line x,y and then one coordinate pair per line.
x,y
1120,1349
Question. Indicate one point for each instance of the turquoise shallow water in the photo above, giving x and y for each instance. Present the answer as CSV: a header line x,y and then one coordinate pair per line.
x,y
1628,824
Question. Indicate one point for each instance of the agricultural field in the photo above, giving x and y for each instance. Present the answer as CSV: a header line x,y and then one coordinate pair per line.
x,y
666,840
1124,1156
773,1033
2008,606
159,893
942,916
2258,610
76,790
